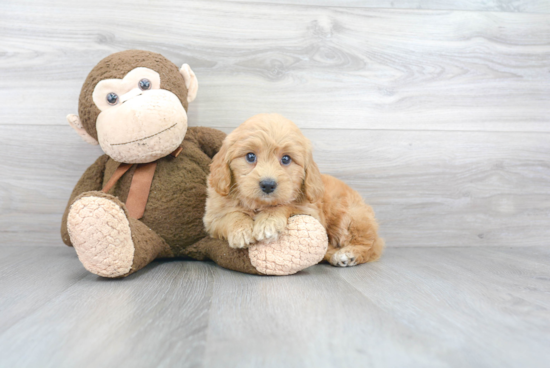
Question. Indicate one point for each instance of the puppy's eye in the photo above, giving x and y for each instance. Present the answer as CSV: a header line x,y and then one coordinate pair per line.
x,y
144,84
112,98
285,160
250,157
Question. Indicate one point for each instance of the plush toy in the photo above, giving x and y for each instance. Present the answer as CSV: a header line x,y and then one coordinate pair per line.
x,y
145,198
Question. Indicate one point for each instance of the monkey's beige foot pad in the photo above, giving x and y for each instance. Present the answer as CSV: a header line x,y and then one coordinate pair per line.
x,y
303,244
101,235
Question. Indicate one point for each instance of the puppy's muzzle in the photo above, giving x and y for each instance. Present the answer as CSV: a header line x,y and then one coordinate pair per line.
x,y
268,185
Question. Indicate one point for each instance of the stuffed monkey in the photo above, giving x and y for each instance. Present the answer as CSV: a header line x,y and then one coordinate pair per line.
x,y
145,197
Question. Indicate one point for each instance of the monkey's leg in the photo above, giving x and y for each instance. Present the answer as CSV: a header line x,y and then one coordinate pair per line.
x,y
108,242
302,244
219,251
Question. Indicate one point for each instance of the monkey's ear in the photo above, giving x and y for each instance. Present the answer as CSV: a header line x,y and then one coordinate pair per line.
x,y
190,82
75,122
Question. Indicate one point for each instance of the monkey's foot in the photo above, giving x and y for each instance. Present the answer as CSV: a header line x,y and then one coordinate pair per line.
x,y
101,235
302,244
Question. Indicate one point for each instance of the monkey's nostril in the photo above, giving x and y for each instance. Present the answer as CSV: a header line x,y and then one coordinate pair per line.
x,y
268,185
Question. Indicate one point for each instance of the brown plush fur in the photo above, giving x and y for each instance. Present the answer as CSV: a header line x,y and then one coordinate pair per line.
x,y
116,66
238,210
175,207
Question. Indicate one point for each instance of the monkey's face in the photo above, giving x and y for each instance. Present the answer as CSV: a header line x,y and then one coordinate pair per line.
x,y
139,122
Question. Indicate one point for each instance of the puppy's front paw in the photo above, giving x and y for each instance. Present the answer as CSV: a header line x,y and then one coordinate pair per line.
x,y
343,258
268,227
241,236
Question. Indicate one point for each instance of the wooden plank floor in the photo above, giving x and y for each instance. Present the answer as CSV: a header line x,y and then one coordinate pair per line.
x,y
417,307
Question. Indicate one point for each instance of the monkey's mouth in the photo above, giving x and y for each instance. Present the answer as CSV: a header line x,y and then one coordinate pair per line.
x,y
144,138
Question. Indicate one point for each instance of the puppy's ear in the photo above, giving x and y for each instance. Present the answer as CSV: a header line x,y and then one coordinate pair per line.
x,y
220,174
313,183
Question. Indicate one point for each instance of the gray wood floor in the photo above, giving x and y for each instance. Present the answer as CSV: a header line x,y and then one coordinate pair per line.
x,y
417,307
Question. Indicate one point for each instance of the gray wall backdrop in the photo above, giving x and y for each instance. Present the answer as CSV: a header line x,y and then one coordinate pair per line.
x,y
437,112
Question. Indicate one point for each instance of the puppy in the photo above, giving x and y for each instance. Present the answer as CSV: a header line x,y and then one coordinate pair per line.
x,y
264,173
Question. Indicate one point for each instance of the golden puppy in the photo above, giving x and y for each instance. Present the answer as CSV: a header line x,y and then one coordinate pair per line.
x,y
264,173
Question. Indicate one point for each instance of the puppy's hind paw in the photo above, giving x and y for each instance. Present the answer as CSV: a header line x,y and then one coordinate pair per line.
x,y
343,258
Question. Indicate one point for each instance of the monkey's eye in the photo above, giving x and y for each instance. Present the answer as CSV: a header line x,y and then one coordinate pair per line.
x,y
144,84
250,157
285,160
112,98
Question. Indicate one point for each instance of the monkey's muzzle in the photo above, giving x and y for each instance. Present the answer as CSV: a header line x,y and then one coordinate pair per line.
x,y
144,128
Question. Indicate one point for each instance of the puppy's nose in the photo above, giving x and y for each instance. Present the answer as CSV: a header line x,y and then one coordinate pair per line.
x,y
268,185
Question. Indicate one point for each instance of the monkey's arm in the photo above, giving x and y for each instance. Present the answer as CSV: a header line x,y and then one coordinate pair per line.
x,y
208,139
92,179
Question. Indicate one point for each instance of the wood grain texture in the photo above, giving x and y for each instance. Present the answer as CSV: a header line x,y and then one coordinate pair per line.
x,y
314,319
22,292
328,67
416,307
157,319
465,297
523,6
427,188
